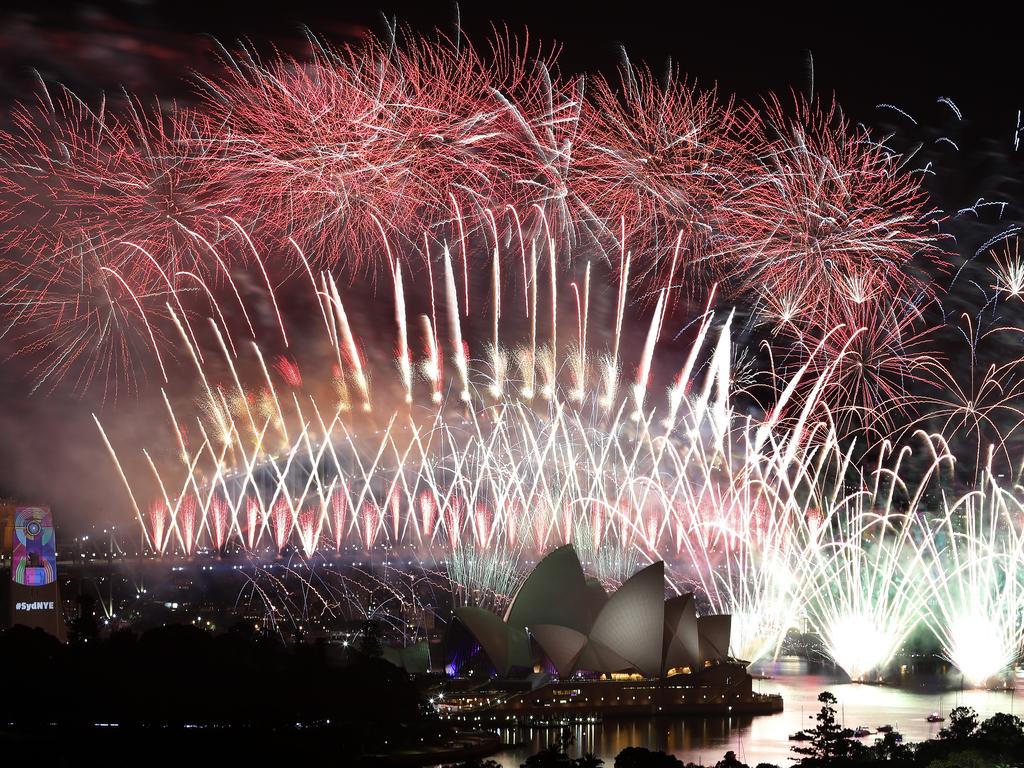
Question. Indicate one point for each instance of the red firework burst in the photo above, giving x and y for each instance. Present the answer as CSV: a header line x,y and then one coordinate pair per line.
x,y
374,137
97,215
105,215
662,155
78,180
82,324
289,371
877,354
827,216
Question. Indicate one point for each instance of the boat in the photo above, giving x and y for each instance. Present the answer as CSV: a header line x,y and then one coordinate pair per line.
x,y
861,731
884,728
800,736
936,717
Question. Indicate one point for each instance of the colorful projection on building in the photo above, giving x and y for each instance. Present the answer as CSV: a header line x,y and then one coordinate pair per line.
x,y
34,558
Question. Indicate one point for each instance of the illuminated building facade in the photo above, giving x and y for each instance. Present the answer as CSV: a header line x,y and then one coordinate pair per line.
x,y
34,592
628,652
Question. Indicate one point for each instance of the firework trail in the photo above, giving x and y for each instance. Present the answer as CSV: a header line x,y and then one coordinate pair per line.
x,y
976,605
136,240
361,153
767,518
625,486
828,209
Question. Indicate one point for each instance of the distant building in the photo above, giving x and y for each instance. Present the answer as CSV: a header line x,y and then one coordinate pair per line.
x,y
7,510
34,593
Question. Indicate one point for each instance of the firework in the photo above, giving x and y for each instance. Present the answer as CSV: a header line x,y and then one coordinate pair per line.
x,y
661,156
362,153
483,480
977,582
173,242
381,139
829,208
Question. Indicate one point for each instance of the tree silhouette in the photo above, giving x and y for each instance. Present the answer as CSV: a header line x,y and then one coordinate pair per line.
x,y
641,757
729,760
891,748
84,627
1003,733
963,722
556,755
831,744
369,640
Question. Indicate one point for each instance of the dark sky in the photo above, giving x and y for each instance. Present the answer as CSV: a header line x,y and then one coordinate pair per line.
x,y
866,53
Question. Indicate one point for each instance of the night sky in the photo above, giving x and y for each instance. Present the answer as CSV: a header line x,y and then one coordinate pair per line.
x,y
867,54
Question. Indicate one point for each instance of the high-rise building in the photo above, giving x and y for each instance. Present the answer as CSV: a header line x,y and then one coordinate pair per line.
x,y
34,594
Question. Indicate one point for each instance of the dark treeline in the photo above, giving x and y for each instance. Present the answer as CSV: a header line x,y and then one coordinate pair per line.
x,y
180,693
965,742
179,689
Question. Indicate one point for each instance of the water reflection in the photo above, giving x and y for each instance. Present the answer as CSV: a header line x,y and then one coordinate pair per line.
x,y
766,739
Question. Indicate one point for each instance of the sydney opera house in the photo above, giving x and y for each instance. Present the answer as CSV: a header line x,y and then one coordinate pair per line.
x,y
565,645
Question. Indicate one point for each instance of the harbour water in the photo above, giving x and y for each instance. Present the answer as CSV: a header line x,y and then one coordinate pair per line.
x,y
766,738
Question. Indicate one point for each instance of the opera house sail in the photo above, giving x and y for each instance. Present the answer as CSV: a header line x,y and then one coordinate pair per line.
x,y
583,650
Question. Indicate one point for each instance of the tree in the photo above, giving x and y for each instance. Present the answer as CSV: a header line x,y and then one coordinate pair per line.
x,y
549,757
1002,734
831,744
589,760
730,761
891,748
963,721
997,741
84,627
555,755
639,757
369,640
967,759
